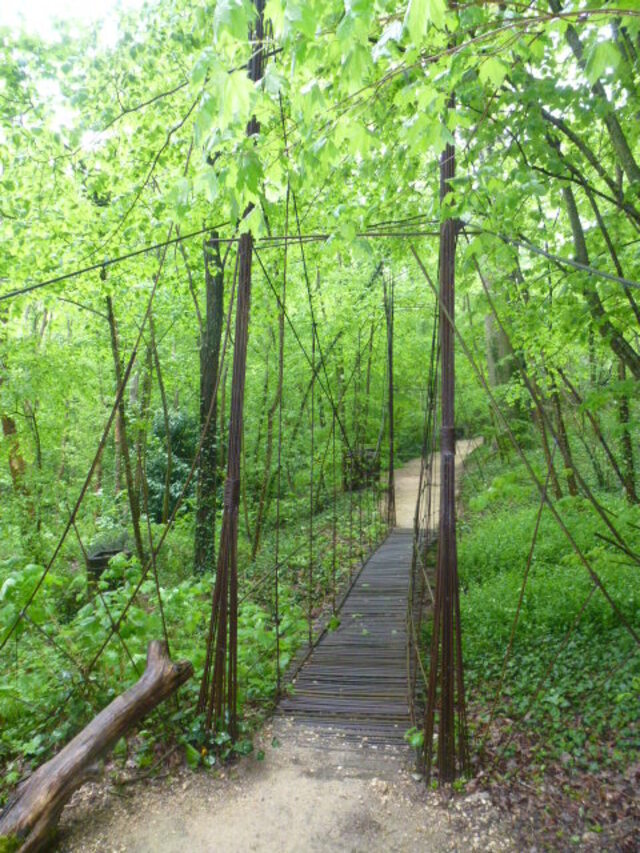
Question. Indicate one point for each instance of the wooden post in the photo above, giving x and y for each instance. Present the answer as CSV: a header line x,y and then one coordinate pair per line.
x,y
446,682
391,486
219,690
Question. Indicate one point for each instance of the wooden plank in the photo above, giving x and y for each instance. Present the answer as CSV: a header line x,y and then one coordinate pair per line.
x,y
355,682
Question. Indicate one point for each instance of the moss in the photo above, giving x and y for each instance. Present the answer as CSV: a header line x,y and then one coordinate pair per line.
x,y
9,843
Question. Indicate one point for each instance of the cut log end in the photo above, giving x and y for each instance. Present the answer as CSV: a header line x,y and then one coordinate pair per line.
x,y
30,819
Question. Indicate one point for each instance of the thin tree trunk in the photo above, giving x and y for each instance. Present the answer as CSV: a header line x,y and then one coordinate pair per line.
x,y
134,504
627,446
17,465
563,440
117,459
614,338
143,417
616,136
548,458
211,335
596,428
167,421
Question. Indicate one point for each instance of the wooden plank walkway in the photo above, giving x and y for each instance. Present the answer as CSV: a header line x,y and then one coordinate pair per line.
x,y
355,682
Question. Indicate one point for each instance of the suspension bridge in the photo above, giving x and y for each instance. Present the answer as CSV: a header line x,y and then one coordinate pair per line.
x,y
356,683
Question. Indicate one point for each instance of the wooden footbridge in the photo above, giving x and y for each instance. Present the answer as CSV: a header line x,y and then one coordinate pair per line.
x,y
355,682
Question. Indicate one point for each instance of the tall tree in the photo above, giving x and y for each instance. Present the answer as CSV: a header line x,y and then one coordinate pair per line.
x,y
210,338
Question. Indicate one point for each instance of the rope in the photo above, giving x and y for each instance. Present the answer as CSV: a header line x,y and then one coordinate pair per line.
x,y
281,328
108,263
311,502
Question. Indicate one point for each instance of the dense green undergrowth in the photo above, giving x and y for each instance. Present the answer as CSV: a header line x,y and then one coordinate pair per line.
x,y
572,679
47,692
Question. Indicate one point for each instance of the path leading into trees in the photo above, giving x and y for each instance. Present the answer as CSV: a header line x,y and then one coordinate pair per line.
x,y
356,680
355,683
307,787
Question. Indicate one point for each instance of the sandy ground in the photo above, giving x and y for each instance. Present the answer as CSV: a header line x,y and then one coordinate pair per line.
x,y
308,792
407,481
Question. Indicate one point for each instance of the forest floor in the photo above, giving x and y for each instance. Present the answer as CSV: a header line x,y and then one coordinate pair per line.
x,y
297,791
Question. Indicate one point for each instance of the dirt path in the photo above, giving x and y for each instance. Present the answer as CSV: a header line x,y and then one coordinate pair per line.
x,y
306,794
299,791
408,480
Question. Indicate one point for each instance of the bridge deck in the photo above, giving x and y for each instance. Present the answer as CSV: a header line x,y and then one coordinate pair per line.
x,y
355,682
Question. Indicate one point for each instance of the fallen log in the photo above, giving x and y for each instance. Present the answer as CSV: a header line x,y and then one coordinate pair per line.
x,y
29,820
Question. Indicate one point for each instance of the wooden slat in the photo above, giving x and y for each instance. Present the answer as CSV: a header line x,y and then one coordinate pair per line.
x,y
355,682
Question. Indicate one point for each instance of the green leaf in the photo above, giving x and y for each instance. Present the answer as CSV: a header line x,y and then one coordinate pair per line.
x,y
492,70
299,16
231,16
348,232
243,747
602,56
414,737
419,14
192,756
274,12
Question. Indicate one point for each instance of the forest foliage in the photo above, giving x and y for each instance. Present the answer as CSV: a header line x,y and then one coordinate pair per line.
x,y
123,158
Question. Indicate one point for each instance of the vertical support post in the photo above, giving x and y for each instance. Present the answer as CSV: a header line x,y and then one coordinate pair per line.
x,y
281,323
391,488
334,520
359,450
350,481
446,682
222,645
312,451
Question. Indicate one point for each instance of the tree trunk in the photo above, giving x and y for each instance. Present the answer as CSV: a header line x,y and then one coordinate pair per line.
x,y
31,818
17,465
167,423
500,365
555,483
142,426
596,427
563,441
627,446
134,504
205,533
616,136
601,320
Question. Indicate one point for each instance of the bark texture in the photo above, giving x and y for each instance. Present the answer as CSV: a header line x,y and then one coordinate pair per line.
x,y
31,817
